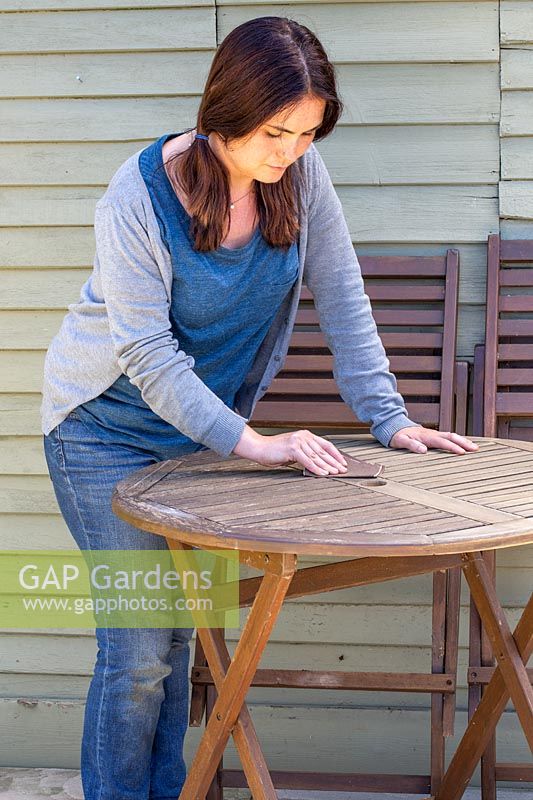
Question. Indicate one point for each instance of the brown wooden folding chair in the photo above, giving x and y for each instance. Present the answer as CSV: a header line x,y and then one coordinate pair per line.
x,y
414,301
502,404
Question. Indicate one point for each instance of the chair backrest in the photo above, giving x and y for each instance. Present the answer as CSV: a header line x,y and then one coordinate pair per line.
x,y
508,356
414,303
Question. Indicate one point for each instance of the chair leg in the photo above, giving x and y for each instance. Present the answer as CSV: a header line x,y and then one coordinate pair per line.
x,y
504,428
451,651
215,791
478,390
444,653
438,644
198,691
474,658
488,761
480,655
462,371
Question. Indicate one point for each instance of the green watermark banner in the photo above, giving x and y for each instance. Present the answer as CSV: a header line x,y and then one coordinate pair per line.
x,y
119,589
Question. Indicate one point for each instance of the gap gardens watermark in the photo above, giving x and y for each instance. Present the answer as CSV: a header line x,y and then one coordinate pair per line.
x,y
119,588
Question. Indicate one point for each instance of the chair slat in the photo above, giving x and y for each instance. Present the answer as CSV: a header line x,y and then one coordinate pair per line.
x,y
519,404
520,432
404,266
410,363
389,316
327,386
287,413
516,377
515,352
516,277
412,317
516,303
515,327
406,340
516,250
395,293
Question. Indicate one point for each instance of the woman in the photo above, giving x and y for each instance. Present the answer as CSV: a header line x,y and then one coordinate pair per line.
x,y
202,240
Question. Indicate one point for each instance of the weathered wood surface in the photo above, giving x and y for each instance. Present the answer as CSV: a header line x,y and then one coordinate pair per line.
x,y
432,503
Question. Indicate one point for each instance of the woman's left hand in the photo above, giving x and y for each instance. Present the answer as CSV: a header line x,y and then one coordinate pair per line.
x,y
420,439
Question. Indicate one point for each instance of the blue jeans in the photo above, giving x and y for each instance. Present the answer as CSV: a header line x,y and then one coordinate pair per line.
x,y
136,713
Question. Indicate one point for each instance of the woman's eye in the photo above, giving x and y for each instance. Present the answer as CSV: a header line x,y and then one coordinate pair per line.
x,y
278,135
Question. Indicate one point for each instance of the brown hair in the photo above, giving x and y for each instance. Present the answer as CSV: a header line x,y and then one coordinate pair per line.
x,y
262,67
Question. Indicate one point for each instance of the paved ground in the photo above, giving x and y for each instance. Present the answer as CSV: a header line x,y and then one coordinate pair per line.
x,y
64,784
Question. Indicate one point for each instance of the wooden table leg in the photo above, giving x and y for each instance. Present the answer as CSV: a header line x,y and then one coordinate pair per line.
x,y
233,678
509,680
504,646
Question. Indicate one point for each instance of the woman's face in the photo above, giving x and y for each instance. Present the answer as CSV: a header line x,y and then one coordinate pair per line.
x,y
264,155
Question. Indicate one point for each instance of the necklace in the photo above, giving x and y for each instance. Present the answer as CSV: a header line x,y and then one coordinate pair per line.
x,y
232,205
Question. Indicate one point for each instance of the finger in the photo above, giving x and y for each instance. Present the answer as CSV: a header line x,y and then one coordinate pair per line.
x,y
463,441
450,447
448,441
330,448
405,442
319,459
442,441
410,443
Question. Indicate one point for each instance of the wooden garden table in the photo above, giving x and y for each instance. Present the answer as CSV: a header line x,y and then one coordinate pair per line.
x,y
436,511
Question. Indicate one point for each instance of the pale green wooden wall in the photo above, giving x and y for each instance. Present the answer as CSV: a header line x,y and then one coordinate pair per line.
x,y
83,84
516,187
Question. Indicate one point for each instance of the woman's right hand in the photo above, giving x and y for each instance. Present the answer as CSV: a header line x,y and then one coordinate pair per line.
x,y
302,447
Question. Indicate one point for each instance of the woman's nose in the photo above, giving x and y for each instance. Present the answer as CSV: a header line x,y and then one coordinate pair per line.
x,y
288,153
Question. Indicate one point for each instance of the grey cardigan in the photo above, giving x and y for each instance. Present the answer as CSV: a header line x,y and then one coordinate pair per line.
x,y
121,322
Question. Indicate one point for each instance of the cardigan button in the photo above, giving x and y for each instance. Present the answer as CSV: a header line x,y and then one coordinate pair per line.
x,y
277,358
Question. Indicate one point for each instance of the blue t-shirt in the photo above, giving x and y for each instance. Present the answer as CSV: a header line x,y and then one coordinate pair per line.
x,y
222,305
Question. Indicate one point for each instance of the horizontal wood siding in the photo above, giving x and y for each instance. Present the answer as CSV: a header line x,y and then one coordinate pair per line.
x,y
516,188
415,160
315,738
